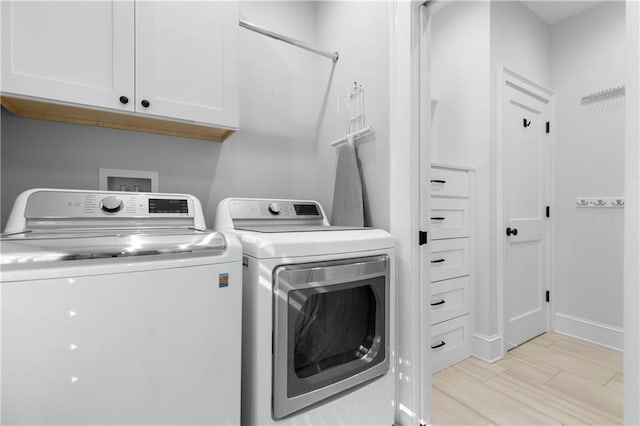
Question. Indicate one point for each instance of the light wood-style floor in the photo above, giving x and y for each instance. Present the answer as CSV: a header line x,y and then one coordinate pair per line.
x,y
550,380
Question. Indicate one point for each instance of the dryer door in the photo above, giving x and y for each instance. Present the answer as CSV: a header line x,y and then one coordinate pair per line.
x,y
331,329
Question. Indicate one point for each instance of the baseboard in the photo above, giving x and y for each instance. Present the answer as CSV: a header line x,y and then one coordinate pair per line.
x,y
591,331
487,348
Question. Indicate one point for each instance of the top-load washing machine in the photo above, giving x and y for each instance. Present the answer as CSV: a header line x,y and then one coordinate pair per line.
x,y
118,308
318,316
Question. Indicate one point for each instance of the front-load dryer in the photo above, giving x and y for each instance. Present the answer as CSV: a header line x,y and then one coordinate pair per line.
x,y
318,316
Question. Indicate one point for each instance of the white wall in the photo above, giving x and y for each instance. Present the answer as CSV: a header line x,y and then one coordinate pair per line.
x,y
520,41
273,155
460,82
360,32
588,54
287,120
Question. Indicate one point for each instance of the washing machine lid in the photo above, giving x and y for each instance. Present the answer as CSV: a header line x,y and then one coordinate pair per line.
x,y
268,245
33,247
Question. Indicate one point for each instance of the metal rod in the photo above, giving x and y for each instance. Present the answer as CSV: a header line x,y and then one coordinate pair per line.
x,y
331,55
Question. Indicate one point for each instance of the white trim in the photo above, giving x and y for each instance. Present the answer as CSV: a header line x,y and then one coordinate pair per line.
x,y
632,218
413,388
453,167
591,331
487,348
508,76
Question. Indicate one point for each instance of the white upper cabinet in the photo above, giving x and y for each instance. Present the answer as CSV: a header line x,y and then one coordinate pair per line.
x,y
171,60
186,60
72,51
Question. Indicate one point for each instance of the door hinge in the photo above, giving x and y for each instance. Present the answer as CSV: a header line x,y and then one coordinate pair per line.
x,y
548,296
548,211
422,238
548,127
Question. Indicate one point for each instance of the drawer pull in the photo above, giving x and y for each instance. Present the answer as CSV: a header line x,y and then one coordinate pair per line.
x,y
438,261
439,345
438,181
441,302
438,218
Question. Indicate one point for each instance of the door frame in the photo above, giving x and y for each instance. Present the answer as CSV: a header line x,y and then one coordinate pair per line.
x,y
504,76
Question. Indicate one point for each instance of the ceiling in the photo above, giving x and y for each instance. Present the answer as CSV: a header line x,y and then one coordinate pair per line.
x,y
553,12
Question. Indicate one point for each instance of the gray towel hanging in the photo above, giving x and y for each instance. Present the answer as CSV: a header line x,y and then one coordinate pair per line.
x,y
348,206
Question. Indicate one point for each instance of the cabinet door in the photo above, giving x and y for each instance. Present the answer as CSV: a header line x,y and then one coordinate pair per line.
x,y
186,60
69,51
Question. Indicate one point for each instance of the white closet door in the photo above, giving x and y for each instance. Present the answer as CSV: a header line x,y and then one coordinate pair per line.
x,y
526,170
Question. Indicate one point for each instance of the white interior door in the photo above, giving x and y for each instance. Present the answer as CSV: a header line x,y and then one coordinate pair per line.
x,y
526,170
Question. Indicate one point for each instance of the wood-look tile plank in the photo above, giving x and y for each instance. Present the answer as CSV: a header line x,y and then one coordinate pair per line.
x,y
593,394
527,370
547,339
448,411
590,352
554,403
494,405
562,361
537,383
618,378
477,369
616,386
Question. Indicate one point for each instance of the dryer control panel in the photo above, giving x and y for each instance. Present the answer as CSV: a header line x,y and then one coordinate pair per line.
x,y
236,213
274,209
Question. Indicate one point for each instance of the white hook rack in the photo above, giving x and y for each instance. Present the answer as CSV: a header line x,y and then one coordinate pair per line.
x,y
601,95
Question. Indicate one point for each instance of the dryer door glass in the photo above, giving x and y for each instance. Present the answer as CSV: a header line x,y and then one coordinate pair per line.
x,y
331,329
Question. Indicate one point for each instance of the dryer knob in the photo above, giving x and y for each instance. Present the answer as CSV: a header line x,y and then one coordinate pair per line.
x,y
111,204
274,209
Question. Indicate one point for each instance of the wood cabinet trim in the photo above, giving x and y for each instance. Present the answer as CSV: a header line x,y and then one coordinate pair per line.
x,y
74,114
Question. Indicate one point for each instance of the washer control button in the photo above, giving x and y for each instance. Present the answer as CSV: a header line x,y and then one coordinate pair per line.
x,y
274,209
111,204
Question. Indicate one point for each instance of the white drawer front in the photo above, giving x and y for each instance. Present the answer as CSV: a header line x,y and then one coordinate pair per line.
x,y
449,183
449,299
449,259
449,218
450,342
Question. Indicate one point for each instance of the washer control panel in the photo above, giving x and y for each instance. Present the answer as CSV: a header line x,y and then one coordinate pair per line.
x,y
107,204
111,204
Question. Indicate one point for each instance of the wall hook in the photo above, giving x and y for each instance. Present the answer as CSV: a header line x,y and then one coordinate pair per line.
x,y
526,123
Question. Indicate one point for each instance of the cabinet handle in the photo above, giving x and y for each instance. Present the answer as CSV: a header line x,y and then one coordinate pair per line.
x,y
511,232
145,103
441,302
437,261
438,218
124,100
439,345
438,181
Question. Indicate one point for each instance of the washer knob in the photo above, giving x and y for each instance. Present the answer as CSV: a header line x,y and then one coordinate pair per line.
x,y
111,204
274,209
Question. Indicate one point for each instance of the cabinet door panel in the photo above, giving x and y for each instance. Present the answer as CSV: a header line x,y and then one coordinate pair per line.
x,y
69,51
186,60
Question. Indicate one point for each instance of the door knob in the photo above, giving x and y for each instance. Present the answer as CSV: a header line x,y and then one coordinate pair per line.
x,y
511,232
